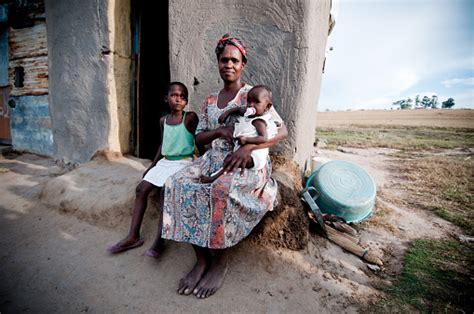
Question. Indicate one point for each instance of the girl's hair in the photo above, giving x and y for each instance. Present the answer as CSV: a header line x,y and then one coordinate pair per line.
x,y
234,41
185,89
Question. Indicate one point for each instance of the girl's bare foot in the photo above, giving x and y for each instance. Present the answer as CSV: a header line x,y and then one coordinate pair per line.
x,y
128,243
156,249
213,278
190,281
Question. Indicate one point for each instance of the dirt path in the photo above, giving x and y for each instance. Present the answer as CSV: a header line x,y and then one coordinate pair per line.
x,y
55,263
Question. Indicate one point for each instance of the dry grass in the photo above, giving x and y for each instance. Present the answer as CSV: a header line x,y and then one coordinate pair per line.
x,y
437,274
403,138
416,118
443,184
382,209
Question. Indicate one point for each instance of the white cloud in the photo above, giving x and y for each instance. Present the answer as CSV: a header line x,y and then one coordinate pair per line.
x,y
390,89
377,59
459,62
386,101
423,94
374,103
469,81
400,80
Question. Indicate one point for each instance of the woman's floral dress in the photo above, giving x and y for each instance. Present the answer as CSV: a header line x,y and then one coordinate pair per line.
x,y
220,214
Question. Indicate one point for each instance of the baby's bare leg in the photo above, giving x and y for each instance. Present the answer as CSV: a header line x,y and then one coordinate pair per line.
x,y
212,178
250,164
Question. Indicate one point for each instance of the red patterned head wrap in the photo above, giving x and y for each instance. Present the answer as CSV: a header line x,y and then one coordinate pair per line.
x,y
234,41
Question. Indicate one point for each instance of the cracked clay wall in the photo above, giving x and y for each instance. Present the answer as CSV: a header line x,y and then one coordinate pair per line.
x,y
89,77
286,43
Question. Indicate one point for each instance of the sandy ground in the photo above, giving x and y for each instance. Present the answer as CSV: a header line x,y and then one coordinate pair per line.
x,y
54,262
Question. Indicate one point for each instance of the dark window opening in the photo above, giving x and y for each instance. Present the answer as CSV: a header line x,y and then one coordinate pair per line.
x,y
19,76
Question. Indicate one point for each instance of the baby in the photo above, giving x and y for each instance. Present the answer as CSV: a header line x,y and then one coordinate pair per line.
x,y
254,126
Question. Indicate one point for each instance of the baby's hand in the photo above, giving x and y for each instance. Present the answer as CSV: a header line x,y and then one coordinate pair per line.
x,y
242,140
222,118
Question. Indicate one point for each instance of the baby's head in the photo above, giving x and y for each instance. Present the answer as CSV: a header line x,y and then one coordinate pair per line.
x,y
177,96
260,98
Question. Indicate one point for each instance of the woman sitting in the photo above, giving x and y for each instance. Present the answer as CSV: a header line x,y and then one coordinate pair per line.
x,y
218,215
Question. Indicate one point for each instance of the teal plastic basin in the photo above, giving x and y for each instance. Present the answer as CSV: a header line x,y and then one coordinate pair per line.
x,y
345,190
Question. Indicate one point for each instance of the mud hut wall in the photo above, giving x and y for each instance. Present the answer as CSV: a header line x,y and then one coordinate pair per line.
x,y
286,42
89,77
316,27
120,74
28,78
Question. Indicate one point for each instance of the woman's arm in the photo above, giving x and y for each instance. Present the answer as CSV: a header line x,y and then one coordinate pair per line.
x,y
206,137
241,156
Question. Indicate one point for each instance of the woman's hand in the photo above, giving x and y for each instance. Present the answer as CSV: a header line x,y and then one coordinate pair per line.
x,y
238,159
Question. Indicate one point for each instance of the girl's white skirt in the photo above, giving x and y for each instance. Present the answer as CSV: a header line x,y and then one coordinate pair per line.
x,y
165,168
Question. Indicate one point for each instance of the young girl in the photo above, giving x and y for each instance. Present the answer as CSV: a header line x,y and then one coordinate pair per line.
x,y
175,152
254,126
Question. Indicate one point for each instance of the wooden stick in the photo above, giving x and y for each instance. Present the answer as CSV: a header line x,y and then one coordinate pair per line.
x,y
339,238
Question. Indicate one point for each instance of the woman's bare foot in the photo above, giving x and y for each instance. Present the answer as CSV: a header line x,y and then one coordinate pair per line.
x,y
128,243
213,278
190,281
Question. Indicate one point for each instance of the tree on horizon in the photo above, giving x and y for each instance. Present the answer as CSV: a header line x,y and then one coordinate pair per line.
x,y
448,103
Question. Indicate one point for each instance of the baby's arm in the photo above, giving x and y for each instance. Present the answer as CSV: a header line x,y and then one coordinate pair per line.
x,y
234,111
261,127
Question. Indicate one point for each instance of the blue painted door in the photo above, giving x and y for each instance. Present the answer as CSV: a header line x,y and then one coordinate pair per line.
x,y
5,133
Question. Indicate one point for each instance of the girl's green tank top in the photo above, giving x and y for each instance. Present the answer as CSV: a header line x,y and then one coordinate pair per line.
x,y
178,142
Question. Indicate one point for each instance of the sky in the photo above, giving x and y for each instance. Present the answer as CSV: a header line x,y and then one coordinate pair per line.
x,y
387,50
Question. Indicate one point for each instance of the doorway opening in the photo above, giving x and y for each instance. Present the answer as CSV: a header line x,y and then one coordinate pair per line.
x,y
151,73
